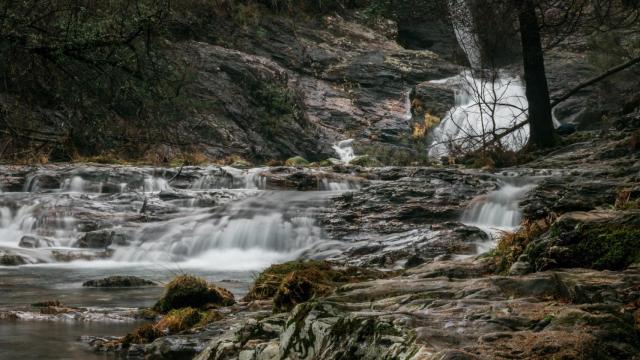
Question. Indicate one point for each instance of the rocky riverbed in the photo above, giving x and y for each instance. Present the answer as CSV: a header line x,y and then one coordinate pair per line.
x,y
564,285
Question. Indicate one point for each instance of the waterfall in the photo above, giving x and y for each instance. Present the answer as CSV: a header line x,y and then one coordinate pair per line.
x,y
487,102
344,149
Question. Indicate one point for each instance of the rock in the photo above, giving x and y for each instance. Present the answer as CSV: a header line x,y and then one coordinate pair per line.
x,y
101,239
29,241
520,268
68,255
7,259
434,99
595,239
565,129
118,281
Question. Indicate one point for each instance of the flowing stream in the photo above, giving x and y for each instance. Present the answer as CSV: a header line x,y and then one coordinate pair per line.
x,y
70,225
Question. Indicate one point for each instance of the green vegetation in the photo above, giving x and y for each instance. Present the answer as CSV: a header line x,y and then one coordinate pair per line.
x,y
611,248
296,161
276,104
190,291
611,244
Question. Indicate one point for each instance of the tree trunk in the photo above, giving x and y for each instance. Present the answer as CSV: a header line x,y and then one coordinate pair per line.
x,y
540,120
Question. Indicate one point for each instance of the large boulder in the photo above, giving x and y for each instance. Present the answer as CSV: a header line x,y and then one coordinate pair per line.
x,y
101,239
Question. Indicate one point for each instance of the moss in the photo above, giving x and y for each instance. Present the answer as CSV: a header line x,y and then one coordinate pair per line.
x,y
191,291
301,286
365,160
11,260
296,161
610,247
612,243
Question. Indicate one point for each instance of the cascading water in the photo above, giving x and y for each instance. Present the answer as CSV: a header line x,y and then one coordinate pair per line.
x,y
487,102
499,210
345,152
215,217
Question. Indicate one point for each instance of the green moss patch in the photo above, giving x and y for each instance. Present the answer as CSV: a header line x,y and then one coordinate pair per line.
x,y
605,240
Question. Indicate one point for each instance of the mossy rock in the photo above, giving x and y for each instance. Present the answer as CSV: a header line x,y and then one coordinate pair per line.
x,y
295,282
11,260
191,291
598,239
241,164
296,161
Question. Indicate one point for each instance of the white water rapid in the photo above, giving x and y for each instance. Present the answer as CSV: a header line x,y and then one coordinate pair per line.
x,y
218,218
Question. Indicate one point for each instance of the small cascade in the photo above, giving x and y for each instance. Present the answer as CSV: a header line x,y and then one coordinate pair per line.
x,y
155,184
499,210
15,224
344,149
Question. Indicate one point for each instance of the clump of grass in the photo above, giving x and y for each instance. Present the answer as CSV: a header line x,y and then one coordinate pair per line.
x,y
179,320
143,334
296,282
176,321
624,202
513,244
191,291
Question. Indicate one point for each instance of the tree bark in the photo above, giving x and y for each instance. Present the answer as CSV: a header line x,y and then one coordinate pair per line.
x,y
537,89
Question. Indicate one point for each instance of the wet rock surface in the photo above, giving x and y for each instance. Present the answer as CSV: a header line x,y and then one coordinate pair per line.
x,y
118,281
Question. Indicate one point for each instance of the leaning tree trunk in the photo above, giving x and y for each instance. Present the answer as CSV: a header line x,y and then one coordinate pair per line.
x,y
540,120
